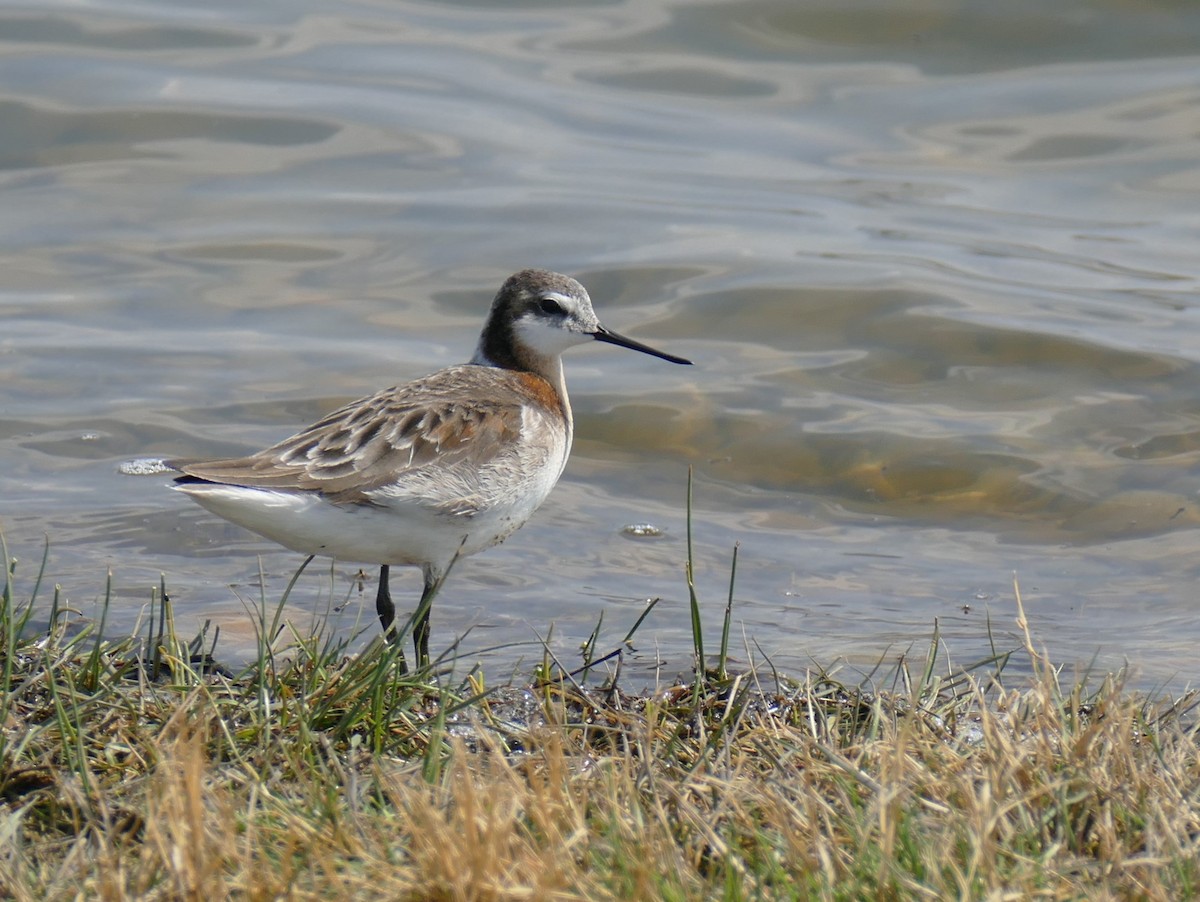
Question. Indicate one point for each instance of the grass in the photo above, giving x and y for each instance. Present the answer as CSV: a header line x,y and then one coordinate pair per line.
x,y
135,768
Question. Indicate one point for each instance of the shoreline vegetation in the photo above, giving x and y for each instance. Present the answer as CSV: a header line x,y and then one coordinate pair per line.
x,y
138,767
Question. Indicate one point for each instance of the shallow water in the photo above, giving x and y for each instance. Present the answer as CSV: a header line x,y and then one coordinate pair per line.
x,y
936,267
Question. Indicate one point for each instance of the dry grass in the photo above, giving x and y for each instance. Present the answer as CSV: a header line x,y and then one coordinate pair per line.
x,y
329,776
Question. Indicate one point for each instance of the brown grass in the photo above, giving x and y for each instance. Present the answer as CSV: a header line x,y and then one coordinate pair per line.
x,y
331,776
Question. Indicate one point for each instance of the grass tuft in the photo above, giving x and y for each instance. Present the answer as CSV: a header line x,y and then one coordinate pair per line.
x,y
135,767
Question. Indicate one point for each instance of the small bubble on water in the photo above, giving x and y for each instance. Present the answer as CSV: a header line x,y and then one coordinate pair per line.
x,y
642,531
142,466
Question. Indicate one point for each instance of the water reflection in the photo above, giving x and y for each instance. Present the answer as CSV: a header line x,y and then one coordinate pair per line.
x,y
938,277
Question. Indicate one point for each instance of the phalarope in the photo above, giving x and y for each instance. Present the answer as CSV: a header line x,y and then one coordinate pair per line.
x,y
423,473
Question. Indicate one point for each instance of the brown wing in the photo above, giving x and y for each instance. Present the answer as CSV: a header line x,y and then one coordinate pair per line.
x,y
462,425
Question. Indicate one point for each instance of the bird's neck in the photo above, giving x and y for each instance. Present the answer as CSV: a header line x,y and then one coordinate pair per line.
x,y
553,373
502,355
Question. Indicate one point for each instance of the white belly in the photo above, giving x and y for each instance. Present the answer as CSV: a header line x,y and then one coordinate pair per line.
x,y
396,529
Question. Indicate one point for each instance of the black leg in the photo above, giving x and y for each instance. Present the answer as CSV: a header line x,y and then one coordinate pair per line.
x,y
420,618
421,625
383,602
387,612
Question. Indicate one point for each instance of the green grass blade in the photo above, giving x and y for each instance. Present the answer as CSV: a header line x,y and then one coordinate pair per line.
x,y
722,672
693,600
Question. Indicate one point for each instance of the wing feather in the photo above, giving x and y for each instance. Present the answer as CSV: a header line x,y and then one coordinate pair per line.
x,y
438,439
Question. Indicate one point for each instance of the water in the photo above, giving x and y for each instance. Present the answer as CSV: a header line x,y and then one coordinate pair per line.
x,y
936,266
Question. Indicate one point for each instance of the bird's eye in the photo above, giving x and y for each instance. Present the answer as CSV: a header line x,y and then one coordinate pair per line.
x,y
551,307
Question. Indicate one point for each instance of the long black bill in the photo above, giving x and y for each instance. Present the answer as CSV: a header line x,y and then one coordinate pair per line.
x,y
613,338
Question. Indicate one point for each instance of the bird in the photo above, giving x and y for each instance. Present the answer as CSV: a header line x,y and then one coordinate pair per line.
x,y
426,472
